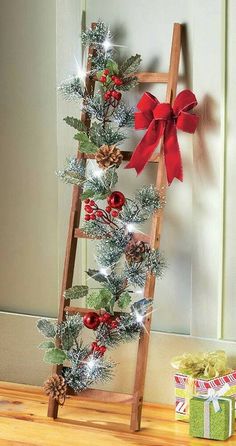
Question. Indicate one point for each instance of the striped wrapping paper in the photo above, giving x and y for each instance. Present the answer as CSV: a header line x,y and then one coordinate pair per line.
x,y
201,387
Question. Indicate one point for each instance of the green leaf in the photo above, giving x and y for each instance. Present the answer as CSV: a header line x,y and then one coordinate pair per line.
x,y
124,300
76,292
89,193
47,328
85,145
46,344
67,341
130,65
54,356
100,299
112,66
75,123
128,83
99,74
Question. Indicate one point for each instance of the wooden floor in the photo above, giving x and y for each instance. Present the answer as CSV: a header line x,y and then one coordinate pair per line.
x,y
23,421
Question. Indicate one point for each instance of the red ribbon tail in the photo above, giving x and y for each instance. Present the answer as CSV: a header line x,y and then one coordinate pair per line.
x,y
173,160
146,147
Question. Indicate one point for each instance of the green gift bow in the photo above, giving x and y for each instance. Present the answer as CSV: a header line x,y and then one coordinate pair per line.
x,y
206,365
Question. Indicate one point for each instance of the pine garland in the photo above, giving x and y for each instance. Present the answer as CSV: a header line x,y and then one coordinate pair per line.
x,y
123,263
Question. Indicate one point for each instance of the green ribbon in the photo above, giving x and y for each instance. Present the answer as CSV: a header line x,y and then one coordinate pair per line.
x,y
206,365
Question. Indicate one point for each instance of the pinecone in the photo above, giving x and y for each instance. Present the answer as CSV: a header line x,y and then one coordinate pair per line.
x,y
108,156
135,252
55,387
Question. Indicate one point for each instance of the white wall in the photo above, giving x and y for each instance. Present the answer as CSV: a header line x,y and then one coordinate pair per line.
x,y
37,53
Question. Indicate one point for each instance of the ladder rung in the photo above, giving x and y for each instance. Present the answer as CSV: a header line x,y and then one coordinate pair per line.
x,y
153,77
138,236
102,395
81,234
126,156
82,311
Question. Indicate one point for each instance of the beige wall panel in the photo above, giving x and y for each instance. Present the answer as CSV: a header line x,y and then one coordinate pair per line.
x,y
28,188
229,331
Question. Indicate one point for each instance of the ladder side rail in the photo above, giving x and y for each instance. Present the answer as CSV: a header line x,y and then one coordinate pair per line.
x,y
161,181
71,244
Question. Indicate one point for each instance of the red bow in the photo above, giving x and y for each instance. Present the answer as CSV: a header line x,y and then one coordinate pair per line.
x,y
163,120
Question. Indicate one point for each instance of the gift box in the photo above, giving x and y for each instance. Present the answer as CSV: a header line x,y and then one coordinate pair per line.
x,y
198,373
213,419
186,387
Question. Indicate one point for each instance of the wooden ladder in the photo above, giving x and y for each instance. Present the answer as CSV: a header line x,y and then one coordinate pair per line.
x,y
74,232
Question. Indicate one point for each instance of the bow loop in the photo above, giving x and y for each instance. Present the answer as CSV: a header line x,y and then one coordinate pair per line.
x,y
144,116
161,120
184,101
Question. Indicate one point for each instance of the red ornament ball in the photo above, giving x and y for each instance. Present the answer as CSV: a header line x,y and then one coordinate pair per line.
x,y
108,209
116,200
92,217
114,213
106,71
87,201
91,320
87,217
99,213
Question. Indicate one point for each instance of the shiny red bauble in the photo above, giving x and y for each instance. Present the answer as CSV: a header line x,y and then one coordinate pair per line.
x,y
116,200
91,320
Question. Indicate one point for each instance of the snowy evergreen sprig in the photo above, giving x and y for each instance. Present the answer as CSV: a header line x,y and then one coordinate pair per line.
x,y
72,89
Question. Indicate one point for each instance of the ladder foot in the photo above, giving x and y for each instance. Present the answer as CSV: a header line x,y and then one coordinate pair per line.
x,y
136,414
52,408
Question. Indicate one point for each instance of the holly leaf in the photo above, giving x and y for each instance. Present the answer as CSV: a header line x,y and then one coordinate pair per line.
x,y
89,193
75,123
96,275
102,298
112,66
124,300
85,145
47,328
54,356
99,74
46,345
130,65
76,292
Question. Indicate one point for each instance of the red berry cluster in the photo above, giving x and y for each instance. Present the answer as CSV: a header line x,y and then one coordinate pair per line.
x,y
110,82
115,202
92,321
101,349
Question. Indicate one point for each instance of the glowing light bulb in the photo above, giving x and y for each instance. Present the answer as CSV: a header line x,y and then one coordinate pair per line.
x,y
107,45
91,364
139,317
103,271
139,291
97,173
81,72
130,227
